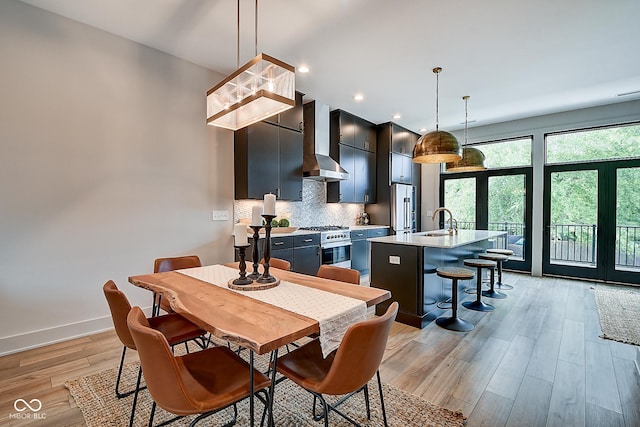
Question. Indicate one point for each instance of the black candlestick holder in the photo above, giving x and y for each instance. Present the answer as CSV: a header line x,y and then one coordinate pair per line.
x,y
242,280
256,254
266,277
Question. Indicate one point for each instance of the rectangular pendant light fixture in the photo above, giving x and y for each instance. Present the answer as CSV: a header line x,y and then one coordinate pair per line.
x,y
263,87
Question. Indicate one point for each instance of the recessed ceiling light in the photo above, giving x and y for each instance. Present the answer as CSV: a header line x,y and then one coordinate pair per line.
x,y
303,69
423,130
397,116
358,97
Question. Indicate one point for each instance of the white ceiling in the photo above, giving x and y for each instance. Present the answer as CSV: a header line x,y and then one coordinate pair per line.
x,y
515,58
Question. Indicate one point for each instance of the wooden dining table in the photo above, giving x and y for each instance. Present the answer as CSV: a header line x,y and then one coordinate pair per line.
x,y
243,320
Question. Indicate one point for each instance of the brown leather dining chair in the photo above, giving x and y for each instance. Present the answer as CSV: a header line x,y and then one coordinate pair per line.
x,y
202,383
282,264
340,274
174,327
345,371
161,265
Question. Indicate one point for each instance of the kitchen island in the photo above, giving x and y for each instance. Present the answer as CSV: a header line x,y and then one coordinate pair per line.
x,y
405,264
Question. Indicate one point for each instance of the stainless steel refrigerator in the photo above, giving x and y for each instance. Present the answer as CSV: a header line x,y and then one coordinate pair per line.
x,y
403,208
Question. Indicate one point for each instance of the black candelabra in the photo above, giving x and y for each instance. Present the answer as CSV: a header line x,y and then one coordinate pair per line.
x,y
242,280
256,254
266,277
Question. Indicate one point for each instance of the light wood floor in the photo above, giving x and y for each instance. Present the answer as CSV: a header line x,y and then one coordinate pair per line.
x,y
535,361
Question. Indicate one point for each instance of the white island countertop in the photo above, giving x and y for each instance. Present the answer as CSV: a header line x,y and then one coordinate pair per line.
x,y
441,240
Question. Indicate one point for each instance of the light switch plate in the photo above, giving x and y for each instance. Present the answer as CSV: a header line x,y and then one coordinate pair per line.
x,y
393,259
220,216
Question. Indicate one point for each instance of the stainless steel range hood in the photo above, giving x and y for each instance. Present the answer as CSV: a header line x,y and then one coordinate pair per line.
x,y
316,163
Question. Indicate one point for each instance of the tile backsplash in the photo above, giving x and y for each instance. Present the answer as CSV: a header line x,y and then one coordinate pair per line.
x,y
312,210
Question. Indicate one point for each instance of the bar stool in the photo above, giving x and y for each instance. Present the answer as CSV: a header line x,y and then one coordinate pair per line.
x,y
454,323
508,253
478,305
498,258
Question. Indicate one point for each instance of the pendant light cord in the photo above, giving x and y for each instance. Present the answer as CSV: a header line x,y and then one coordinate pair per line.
x,y
256,30
466,118
238,38
437,95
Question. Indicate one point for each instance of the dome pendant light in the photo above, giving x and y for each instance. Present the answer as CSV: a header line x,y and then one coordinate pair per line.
x,y
437,146
472,158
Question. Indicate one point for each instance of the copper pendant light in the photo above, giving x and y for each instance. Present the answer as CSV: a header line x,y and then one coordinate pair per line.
x,y
472,158
437,146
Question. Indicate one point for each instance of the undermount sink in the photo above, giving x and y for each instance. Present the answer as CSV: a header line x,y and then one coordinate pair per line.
x,y
437,233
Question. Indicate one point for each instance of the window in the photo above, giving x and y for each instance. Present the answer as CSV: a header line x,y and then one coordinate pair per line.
x,y
616,142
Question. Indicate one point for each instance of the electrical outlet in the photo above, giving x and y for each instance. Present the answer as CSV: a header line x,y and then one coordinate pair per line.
x,y
429,213
220,216
394,260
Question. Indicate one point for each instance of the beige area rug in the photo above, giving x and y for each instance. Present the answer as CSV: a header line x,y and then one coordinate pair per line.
x,y
95,396
619,313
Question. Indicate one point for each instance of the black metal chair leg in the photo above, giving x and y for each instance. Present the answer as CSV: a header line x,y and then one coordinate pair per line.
x,y
366,401
118,394
384,412
135,399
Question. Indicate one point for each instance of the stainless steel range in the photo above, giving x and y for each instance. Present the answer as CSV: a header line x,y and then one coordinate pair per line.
x,y
335,244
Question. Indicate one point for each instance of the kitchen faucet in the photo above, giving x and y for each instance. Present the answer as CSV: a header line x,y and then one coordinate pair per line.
x,y
451,229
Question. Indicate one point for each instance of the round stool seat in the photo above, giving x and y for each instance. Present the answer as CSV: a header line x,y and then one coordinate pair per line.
x,y
493,256
454,323
507,252
479,264
430,268
482,263
455,273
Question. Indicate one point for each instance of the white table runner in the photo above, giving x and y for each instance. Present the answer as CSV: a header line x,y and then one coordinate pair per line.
x,y
335,313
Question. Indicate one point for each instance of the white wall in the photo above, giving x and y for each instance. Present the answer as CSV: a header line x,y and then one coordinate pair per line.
x,y
106,164
538,127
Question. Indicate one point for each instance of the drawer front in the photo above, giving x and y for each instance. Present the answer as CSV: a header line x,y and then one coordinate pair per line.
x,y
378,232
358,234
306,240
281,242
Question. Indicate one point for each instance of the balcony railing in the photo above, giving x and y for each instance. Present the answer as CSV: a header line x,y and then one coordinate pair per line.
x,y
572,243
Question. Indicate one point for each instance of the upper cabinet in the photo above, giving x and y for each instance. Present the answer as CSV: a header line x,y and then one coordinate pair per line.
x,y
398,144
354,131
290,119
353,143
268,157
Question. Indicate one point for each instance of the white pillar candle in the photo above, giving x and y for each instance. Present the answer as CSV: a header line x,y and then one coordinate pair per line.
x,y
256,216
270,204
240,235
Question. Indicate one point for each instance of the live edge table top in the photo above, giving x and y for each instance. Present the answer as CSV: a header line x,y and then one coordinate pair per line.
x,y
236,317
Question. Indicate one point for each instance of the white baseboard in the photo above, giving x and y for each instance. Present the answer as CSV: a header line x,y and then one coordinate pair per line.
x,y
40,338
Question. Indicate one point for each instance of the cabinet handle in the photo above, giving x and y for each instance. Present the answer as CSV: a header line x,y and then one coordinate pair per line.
x,y
366,145
300,126
308,240
278,192
360,234
278,243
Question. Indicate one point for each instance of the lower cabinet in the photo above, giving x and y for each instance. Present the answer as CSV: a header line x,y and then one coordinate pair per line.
x,y
359,251
303,251
360,247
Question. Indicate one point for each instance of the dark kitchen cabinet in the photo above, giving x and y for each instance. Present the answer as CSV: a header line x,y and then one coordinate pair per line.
x,y
306,254
394,164
353,145
268,159
401,168
302,251
354,131
291,118
360,247
359,253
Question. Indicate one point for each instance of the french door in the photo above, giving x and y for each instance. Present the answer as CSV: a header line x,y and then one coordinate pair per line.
x,y
495,199
592,220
